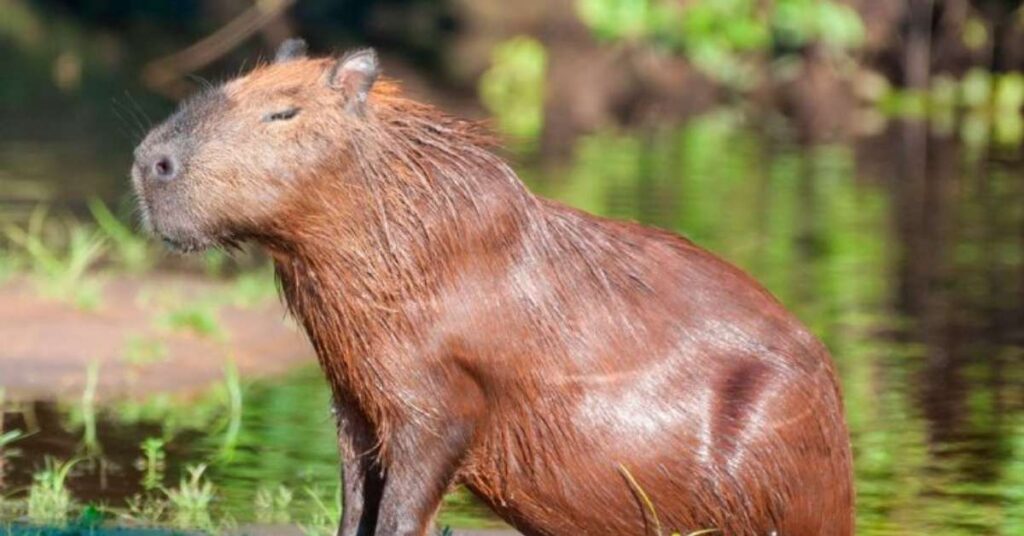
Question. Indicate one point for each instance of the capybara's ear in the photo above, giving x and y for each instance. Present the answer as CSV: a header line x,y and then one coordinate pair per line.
x,y
290,49
354,74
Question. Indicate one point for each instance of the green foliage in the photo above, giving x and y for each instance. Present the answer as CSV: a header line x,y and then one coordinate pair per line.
x,y
130,250
273,504
513,88
233,389
146,508
326,515
199,317
60,270
153,463
988,107
7,438
49,500
190,502
90,439
8,265
143,350
621,19
799,22
723,38
215,262
90,518
252,288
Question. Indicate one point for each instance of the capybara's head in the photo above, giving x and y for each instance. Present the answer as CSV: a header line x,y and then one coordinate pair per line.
x,y
232,158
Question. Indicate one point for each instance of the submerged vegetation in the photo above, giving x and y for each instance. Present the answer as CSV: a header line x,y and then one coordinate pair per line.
x,y
309,498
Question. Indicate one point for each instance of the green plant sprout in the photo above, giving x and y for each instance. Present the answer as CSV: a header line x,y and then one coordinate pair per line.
x,y
49,500
153,463
199,318
233,389
60,273
90,439
325,518
272,504
513,87
722,38
130,250
140,350
190,502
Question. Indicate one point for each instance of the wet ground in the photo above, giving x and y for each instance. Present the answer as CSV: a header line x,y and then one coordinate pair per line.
x,y
159,333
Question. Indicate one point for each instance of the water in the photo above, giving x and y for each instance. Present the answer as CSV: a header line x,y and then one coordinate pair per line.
x,y
904,252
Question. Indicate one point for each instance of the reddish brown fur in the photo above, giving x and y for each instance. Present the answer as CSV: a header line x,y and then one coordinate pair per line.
x,y
473,333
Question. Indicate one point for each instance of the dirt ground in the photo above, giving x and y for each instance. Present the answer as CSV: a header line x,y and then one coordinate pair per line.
x,y
47,344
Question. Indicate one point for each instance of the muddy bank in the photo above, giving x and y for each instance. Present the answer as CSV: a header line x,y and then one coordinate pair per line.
x,y
158,333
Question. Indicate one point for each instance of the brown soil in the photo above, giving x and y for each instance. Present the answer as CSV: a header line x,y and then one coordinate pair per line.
x,y
46,345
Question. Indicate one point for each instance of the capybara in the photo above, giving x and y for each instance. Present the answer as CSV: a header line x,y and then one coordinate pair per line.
x,y
579,375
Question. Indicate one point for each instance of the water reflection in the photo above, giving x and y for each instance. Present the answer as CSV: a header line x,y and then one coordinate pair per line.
x,y
904,253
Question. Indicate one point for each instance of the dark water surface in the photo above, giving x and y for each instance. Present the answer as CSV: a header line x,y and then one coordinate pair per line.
x,y
903,252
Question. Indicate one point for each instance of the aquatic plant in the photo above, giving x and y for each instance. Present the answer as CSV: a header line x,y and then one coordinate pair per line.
x,y
153,463
190,502
8,265
49,500
7,438
272,505
90,438
326,517
146,509
233,389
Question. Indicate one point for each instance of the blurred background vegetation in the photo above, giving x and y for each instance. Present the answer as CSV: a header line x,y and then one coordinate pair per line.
x,y
862,158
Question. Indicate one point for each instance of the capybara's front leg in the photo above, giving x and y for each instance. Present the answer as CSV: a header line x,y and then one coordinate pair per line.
x,y
418,474
361,479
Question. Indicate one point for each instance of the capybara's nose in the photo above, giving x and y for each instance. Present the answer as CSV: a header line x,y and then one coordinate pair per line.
x,y
160,167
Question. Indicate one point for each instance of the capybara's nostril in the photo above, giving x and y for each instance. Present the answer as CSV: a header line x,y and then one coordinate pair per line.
x,y
164,168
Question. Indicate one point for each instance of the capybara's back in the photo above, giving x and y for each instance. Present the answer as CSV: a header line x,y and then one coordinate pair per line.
x,y
580,375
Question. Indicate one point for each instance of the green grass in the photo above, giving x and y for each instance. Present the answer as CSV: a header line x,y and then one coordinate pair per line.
x,y
8,266
142,350
327,514
200,318
7,438
272,505
49,500
233,391
129,250
90,439
191,501
251,289
153,463
59,264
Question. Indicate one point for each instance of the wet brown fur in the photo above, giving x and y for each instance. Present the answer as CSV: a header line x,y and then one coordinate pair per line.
x,y
473,333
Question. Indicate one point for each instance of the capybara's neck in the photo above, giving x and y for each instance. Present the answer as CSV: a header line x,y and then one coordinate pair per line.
x,y
382,231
